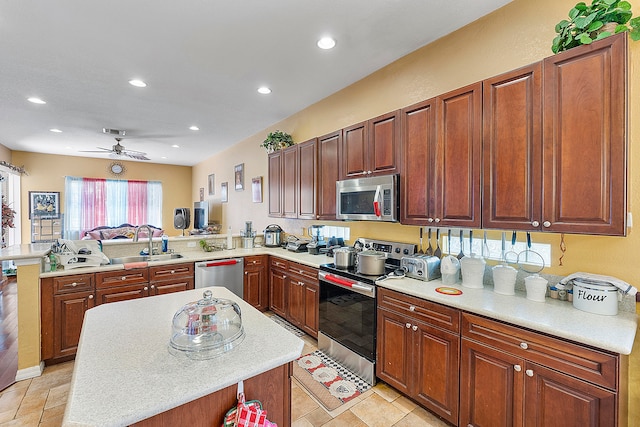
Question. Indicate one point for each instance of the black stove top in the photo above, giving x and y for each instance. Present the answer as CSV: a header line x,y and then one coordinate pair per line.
x,y
352,273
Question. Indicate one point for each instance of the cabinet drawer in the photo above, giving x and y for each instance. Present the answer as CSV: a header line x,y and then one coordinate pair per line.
x,y
589,364
434,314
304,271
255,261
173,271
279,263
75,283
122,277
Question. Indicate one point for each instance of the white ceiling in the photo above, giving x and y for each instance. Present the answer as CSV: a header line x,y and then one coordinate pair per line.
x,y
202,60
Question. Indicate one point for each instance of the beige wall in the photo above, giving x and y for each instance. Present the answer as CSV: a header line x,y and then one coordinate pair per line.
x,y
47,172
516,35
5,154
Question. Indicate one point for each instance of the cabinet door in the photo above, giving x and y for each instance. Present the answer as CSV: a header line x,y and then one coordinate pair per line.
x,y
328,173
307,161
512,150
458,157
67,319
585,149
256,287
277,280
311,308
491,387
384,144
418,171
290,171
275,184
436,370
355,151
394,350
553,399
295,303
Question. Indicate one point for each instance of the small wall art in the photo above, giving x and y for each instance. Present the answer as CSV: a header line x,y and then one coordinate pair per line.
x,y
212,184
44,204
224,188
239,176
256,189
202,194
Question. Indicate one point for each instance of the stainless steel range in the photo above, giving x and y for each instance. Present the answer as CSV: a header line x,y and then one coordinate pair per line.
x,y
347,328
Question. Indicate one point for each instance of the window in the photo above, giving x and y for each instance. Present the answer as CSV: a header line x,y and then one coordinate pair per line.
x,y
95,202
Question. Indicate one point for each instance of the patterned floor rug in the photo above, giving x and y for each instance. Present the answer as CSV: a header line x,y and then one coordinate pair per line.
x,y
288,326
331,384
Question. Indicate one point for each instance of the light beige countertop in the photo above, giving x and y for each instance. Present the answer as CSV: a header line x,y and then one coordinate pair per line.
x,y
124,372
554,317
26,251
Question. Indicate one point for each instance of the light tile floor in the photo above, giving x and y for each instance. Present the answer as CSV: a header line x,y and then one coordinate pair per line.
x,y
40,402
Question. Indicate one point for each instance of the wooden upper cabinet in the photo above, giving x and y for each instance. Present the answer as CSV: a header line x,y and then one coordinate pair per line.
x,y
585,150
418,171
290,189
458,157
307,175
328,173
372,147
512,150
275,184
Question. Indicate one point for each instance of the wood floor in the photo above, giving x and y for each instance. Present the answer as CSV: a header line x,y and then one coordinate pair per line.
x,y
8,331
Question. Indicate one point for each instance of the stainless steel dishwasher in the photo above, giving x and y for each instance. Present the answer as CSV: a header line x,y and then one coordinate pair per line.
x,y
228,273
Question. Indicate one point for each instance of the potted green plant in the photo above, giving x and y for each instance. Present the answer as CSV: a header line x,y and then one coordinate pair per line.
x,y
277,140
588,23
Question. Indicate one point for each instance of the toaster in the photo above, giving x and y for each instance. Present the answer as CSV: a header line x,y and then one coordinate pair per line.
x,y
422,267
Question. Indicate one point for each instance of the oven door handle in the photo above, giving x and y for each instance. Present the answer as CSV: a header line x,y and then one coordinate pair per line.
x,y
345,283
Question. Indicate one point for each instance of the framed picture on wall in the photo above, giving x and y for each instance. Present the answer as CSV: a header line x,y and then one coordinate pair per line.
x,y
212,184
224,188
256,189
238,174
44,204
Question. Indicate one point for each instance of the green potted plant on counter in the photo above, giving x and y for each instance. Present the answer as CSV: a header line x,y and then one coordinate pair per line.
x,y
600,19
277,140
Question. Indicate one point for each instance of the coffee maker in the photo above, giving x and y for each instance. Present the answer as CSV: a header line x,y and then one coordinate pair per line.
x,y
317,239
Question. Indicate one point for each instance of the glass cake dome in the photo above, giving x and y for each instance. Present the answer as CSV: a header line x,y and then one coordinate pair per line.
x,y
206,328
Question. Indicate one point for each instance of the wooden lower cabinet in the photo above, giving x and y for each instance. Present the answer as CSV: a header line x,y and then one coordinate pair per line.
x,y
502,384
416,357
256,281
114,286
277,286
64,301
171,278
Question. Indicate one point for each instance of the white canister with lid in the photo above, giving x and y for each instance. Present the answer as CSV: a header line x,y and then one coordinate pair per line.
x,y
472,271
536,288
449,270
504,279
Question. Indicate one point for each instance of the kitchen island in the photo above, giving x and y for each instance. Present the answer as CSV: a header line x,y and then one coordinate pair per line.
x,y
124,373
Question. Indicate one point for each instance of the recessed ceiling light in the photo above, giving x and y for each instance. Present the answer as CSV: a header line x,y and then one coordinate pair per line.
x,y
326,43
137,83
264,90
194,128
163,157
54,130
36,100
175,146
68,148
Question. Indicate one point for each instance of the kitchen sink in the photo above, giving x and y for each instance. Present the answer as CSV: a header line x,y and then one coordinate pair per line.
x,y
144,258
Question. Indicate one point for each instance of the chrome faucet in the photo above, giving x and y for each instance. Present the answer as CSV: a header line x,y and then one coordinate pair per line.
x,y
149,233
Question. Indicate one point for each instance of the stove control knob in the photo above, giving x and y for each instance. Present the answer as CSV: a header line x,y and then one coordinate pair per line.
x,y
398,250
406,251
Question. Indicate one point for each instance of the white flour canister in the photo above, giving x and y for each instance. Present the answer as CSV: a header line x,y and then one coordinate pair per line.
x,y
595,298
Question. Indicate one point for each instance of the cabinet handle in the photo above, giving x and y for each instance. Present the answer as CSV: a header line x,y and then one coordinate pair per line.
x,y
146,288
437,219
414,327
524,345
529,372
301,283
535,223
546,224
412,308
284,277
173,272
153,286
90,296
408,325
517,368
74,284
123,278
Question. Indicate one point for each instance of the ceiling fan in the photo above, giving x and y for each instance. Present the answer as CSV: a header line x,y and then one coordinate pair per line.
x,y
119,150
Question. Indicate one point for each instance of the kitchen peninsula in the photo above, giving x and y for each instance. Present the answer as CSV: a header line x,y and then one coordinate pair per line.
x,y
125,375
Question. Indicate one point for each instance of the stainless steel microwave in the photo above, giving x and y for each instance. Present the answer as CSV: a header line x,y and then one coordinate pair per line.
x,y
368,199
